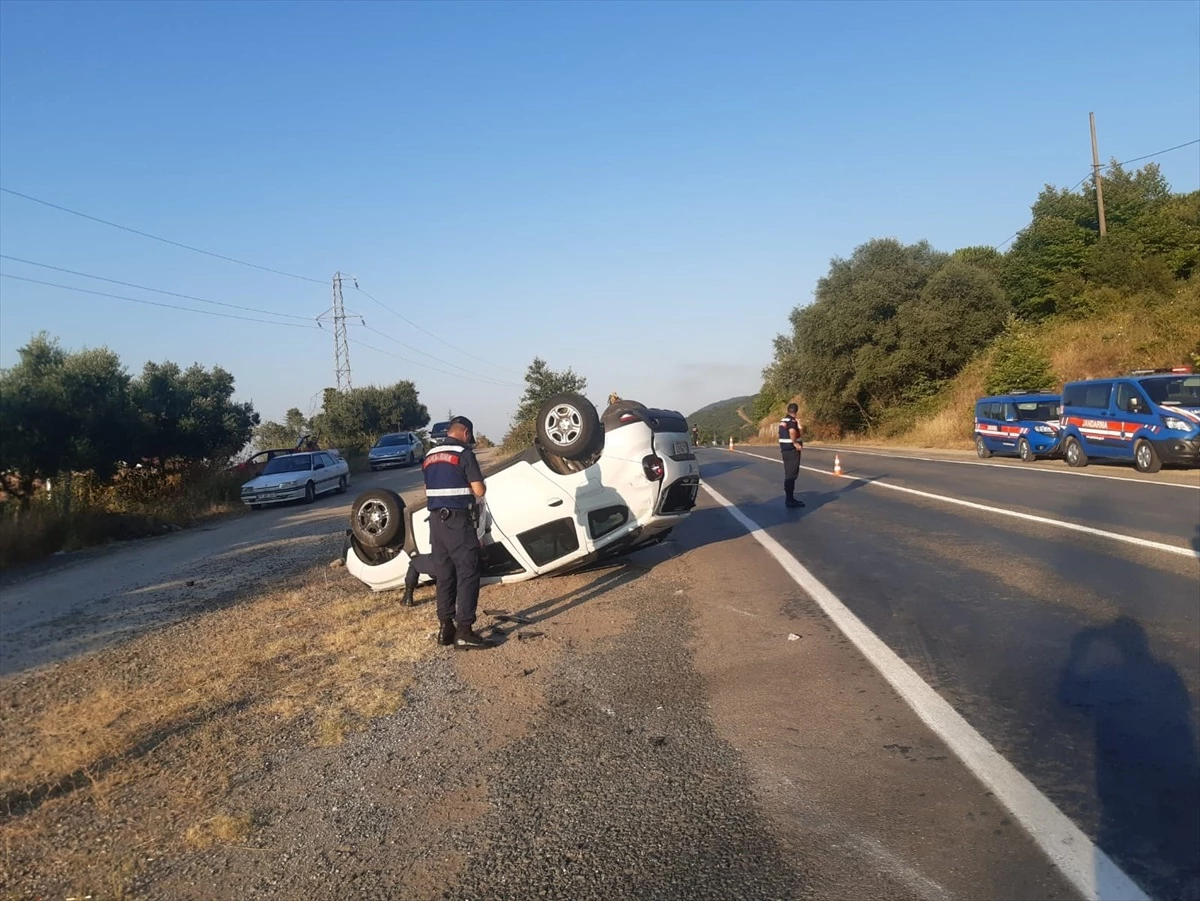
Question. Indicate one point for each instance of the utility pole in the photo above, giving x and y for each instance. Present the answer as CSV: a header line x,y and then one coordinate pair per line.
x,y
341,346
1096,177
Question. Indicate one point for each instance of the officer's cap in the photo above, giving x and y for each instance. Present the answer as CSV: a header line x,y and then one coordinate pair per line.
x,y
462,420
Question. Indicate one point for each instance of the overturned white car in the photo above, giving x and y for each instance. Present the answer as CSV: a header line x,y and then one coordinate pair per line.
x,y
591,487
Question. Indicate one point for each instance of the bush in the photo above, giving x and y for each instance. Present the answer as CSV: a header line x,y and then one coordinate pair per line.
x,y
1018,364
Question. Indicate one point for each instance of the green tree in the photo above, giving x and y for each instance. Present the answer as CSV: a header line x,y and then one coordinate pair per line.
x,y
282,434
64,411
190,414
541,384
1018,364
352,420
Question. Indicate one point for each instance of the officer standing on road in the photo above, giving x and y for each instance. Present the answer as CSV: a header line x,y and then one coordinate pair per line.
x,y
453,481
790,446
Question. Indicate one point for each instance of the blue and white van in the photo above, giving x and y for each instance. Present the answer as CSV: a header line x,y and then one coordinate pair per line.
x,y
1150,416
1020,424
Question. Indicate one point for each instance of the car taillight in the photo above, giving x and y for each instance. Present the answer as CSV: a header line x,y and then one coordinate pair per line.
x,y
652,466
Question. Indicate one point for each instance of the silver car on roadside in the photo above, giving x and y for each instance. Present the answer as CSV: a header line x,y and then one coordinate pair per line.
x,y
396,449
298,476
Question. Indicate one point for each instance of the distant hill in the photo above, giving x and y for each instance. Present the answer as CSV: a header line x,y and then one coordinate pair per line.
x,y
722,419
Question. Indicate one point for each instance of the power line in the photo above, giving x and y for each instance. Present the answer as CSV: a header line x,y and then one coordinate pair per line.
x,y
114,281
1136,159
426,331
426,365
424,354
153,303
209,253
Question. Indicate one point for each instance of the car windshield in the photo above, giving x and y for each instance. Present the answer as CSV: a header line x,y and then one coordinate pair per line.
x,y
1038,411
289,463
391,440
439,427
1176,391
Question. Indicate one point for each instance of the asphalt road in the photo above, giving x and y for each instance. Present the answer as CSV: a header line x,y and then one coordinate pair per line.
x,y
1076,654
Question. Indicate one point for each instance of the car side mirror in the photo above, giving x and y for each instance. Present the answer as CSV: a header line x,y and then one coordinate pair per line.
x,y
318,466
1135,405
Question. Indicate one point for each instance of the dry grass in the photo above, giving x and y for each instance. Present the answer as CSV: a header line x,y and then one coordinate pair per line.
x,y
143,742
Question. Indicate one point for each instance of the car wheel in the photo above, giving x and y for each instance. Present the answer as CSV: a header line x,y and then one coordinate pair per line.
x,y
981,448
568,426
341,489
412,458
1025,451
1075,455
1145,457
310,493
377,518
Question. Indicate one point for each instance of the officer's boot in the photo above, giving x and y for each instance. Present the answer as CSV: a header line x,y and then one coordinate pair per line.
x,y
408,596
447,633
466,638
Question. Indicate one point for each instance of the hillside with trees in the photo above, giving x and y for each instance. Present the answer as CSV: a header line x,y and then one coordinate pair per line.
x,y
724,419
900,339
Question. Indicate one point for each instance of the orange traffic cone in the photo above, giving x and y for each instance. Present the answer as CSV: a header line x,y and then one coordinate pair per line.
x,y
837,465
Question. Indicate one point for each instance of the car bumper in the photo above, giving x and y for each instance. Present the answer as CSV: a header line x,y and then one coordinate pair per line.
x,y
1045,446
1179,451
274,497
382,462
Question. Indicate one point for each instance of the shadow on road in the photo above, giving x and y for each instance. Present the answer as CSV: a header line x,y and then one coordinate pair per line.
x,y
711,470
1147,772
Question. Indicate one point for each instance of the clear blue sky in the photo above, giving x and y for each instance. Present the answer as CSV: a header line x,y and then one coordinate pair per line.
x,y
639,191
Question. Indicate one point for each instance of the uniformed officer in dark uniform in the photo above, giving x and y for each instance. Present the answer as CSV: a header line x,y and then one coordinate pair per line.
x,y
790,446
453,481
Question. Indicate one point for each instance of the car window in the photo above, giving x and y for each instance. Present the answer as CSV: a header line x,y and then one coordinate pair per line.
x,y
289,463
1176,391
1094,395
550,541
1125,395
607,519
1038,411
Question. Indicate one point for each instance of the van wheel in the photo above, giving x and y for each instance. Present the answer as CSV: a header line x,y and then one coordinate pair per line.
x,y
1145,457
1025,451
981,448
1074,453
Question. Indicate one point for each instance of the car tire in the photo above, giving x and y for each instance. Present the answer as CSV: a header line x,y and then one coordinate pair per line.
x,y
1076,458
1145,457
981,449
341,488
568,426
1025,451
412,458
310,493
377,518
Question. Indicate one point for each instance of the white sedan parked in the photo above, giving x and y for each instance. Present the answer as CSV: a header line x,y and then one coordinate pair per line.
x,y
292,477
591,487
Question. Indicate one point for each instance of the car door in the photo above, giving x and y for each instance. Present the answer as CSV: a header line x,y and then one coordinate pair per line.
x,y
1098,432
1131,413
538,517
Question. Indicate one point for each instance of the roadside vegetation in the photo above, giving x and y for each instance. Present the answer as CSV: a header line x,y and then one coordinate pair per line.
x,y
91,453
900,340
170,723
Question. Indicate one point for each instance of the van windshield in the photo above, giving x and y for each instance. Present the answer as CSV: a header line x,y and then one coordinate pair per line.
x,y
1175,391
1039,411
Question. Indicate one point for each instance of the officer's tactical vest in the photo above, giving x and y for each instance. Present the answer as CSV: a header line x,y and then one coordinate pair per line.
x,y
446,484
785,437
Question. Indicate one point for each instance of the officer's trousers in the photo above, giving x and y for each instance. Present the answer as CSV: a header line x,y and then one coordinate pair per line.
x,y
455,566
791,469
418,565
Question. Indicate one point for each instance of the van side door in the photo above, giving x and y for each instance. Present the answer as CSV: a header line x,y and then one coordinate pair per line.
x,y
1132,411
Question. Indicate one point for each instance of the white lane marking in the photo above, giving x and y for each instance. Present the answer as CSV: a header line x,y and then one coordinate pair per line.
x,y
1087,867
837,448
1002,511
